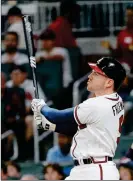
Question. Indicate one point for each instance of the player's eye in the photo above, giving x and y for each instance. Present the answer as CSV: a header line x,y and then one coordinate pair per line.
x,y
95,73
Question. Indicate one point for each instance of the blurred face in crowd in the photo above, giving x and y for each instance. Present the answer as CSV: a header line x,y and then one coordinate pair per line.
x,y
11,43
18,77
97,82
12,19
129,18
12,171
52,174
48,44
3,175
125,173
64,143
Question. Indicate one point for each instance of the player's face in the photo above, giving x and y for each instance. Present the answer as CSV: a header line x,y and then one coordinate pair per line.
x,y
10,41
47,44
52,174
125,173
12,171
17,77
96,82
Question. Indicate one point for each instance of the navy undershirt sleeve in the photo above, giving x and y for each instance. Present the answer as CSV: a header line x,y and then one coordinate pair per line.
x,y
64,119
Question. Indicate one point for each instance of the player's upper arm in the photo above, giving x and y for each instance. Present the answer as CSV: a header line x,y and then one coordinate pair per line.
x,y
85,113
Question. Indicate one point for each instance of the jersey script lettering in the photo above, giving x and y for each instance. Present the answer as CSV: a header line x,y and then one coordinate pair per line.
x,y
117,108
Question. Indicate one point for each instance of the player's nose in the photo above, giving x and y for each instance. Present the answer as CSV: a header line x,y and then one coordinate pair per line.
x,y
90,76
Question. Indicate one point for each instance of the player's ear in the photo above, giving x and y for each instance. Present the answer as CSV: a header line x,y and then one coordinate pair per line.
x,y
110,83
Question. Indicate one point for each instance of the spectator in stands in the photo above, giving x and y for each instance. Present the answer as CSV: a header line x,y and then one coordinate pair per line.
x,y
19,79
62,26
4,175
51,52
29,177
12,55
126,169
53,172
14,17
13,170
61,153
129,154
124,50
13,114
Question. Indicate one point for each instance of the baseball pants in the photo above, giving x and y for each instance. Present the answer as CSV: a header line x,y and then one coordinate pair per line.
x,y
103,171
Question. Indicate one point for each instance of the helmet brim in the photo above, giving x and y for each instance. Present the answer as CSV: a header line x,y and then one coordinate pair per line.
x,y
96,68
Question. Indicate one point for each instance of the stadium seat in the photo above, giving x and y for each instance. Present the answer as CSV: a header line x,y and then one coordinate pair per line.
x,y
32,168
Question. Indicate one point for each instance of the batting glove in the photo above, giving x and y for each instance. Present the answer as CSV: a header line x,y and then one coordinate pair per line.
x,y
45,124
37,104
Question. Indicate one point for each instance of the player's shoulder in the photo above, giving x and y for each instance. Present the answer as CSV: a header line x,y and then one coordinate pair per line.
x,y
89,102
100,101
113,97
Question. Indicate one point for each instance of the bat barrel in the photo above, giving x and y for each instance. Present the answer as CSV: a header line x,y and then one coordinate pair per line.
x,y
30,49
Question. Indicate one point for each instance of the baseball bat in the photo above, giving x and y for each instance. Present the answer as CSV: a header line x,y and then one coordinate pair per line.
x,y
30,50
27,25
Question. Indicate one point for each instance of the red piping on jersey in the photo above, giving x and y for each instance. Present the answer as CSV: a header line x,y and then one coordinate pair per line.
x,y
75,144
101,172
76,116
81,126
104,161
112,99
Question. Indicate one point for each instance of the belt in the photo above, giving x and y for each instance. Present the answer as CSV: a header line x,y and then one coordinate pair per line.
x,y
91,160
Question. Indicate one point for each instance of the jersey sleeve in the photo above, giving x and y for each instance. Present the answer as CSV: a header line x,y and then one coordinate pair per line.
x,y
85,113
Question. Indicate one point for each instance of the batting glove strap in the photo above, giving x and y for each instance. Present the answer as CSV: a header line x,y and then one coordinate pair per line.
x,y
42,122
47,125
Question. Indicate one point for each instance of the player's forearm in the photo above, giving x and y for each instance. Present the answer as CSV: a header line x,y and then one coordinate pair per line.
x,y
64,120
58,116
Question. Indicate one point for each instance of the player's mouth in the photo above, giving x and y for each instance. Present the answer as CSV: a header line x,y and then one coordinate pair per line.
x,y
88,81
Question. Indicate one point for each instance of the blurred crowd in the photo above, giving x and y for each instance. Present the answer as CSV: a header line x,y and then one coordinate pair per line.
x,y
55,44
53,170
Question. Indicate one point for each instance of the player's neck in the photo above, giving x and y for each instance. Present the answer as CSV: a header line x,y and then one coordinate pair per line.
x,y
104,92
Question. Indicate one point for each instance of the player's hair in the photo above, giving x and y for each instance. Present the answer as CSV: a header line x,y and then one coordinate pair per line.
x,y
14,164
48,34
55,167
14,11
21,68
13,33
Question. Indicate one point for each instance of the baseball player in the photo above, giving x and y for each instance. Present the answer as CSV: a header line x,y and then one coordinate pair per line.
x,y
97,123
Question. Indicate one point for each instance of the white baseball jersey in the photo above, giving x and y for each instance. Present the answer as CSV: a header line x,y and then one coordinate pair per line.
x,y
100,119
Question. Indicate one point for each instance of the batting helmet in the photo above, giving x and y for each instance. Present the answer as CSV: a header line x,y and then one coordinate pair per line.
x,y
111,68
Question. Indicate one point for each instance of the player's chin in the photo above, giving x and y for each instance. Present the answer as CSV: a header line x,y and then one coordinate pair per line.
x,y
89,88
